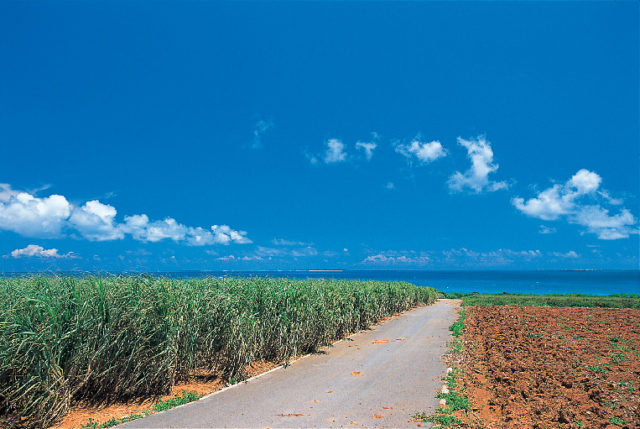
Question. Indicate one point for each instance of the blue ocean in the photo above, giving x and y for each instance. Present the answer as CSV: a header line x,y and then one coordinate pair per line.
x,y
533,282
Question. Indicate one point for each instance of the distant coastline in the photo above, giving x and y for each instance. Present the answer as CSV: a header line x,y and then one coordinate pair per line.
x,y
540,282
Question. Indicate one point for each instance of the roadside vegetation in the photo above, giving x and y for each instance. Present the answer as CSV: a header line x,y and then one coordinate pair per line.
x,y
65,340
456,402
165,405
556,300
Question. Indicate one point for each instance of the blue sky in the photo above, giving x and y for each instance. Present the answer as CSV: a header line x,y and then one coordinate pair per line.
x,y
178,136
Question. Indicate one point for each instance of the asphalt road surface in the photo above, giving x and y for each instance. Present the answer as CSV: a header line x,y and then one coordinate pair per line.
x,y
375,378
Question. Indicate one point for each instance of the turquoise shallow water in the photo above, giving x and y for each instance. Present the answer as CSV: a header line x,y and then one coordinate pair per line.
x,y
537,282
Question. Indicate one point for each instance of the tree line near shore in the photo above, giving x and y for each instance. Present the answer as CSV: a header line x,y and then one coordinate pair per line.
x,y
67,339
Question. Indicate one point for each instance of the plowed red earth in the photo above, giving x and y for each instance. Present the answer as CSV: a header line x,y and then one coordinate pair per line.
x,y
541,367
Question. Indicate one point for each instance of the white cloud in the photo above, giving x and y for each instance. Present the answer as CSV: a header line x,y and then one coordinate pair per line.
x,y
464,257
425,151
303,252
499,257
493,253
571,254
32,216
280,252
476,178
95,221
605,226
335,152
224,234
233,258
6,192
367,147
259,130
393,257
585,181
54,216
269,253
141,229
550,204
33,250
579,202
284,242
546,230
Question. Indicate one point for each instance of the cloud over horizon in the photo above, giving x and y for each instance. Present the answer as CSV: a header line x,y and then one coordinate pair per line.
x,y
395,257
55,217
462,256
33,250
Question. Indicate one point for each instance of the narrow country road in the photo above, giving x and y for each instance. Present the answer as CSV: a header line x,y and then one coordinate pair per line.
x,y
376,378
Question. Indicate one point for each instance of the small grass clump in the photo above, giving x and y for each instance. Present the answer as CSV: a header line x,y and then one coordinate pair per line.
x,y
617,421
92,424
176,401
165,405
458,326
65,339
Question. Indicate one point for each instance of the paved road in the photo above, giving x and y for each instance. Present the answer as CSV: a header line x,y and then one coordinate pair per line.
x,y
376,378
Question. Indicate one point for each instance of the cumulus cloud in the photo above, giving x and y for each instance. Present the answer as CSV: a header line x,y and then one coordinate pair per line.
x,y
550,204
425,152
607,227
259,130
476,178
393,257
368,148
54,216
96,221
335,152
6,192
31,216
33,250
142,229
580,201
224,234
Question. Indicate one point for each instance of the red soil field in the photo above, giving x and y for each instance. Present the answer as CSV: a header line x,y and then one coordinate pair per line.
x,y
541,367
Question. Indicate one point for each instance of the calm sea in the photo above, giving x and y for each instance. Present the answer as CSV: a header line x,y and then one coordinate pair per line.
x,y
536,282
